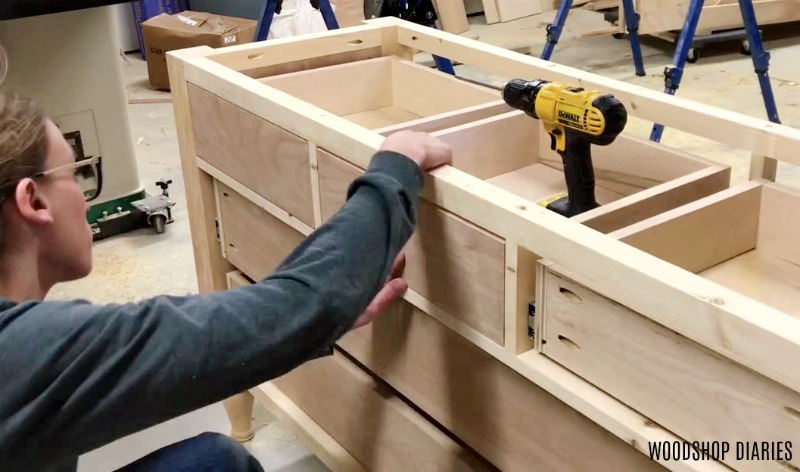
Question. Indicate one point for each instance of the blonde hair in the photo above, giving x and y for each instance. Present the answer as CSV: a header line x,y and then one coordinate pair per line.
x,y
23,141
23,145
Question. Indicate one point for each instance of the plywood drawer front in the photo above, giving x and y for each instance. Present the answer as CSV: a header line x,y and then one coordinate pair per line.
x,y
254,240
261,156
450,262
679,384
506,418
376,427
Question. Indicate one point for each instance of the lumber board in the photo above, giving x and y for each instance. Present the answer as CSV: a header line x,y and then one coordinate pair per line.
x,y
659,16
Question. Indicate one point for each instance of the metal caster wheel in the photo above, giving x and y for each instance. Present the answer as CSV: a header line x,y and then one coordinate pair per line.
x,y
159,223
693,56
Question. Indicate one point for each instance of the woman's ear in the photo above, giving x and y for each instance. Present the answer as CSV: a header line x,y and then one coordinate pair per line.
x,y
32,204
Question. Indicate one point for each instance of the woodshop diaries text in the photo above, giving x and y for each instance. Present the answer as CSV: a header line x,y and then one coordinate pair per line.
x,y
720,450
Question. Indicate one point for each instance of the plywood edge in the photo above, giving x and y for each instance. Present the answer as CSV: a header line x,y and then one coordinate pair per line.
x,y
320,443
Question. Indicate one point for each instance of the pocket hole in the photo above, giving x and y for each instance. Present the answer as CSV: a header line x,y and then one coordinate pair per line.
x,y
225,194
570,294
414,38
253,57
355,42
231,245
792,411
568,342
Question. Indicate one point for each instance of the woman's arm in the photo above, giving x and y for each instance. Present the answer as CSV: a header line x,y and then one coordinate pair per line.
x,y
74,376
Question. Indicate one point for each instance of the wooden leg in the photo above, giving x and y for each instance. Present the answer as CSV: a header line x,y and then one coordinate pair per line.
x,y
240,413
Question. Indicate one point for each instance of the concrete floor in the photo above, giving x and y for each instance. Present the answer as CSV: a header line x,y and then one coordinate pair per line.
x,y
142,264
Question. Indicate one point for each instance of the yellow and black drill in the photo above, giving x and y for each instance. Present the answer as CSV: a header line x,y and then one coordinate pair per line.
x,y
575,118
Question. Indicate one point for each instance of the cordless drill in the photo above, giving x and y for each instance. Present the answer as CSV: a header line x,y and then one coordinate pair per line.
x,y
575,118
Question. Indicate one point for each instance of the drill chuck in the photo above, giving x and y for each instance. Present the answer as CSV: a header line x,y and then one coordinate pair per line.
x,y
521,94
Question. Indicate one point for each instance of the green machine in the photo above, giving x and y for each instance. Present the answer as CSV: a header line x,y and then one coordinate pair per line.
x,y
70,64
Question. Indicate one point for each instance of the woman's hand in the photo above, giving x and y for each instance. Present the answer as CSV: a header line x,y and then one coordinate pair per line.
x,y
393,290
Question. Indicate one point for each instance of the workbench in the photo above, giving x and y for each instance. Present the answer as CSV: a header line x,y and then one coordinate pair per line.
x,y
526,341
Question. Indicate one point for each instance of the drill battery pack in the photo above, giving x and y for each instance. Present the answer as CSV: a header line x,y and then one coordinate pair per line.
x,y
416,11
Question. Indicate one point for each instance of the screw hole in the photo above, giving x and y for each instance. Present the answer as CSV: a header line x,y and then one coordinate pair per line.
x,y
570,294
225,194
568,342
253,57
355,42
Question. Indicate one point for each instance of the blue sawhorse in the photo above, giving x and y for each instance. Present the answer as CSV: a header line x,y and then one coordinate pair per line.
x,y
631,21
273,6
760,58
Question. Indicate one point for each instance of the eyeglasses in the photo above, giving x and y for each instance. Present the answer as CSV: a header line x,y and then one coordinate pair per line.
x,y
88,173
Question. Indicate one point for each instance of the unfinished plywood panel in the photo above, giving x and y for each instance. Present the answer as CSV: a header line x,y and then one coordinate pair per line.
x,y
506,418
254,240
369,421
677,383
260,155
455,265
335,176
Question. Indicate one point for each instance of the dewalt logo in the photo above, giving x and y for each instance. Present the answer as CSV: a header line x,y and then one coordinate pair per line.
x,y
567,116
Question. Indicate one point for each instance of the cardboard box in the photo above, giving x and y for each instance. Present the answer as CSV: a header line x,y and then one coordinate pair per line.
x,y
143,10
187,29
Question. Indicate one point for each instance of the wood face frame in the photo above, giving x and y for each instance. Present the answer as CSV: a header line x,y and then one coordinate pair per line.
x,y
741,329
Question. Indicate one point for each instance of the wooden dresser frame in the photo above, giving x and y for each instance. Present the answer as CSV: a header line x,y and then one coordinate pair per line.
x,y
745,334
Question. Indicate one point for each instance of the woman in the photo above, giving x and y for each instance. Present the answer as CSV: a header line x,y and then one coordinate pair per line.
x,y
75,376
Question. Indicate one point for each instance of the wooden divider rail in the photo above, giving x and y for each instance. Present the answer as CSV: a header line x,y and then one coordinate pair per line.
x,y
668,315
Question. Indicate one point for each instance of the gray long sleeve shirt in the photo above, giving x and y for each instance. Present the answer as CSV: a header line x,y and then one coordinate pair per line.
x,y
75,376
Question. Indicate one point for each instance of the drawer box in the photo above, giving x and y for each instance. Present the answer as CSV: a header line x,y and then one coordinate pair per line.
x,y
367,419
743,238
509,420
384,92
252,239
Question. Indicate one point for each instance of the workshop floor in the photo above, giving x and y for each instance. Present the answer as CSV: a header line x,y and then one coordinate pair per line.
x,y
143,264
